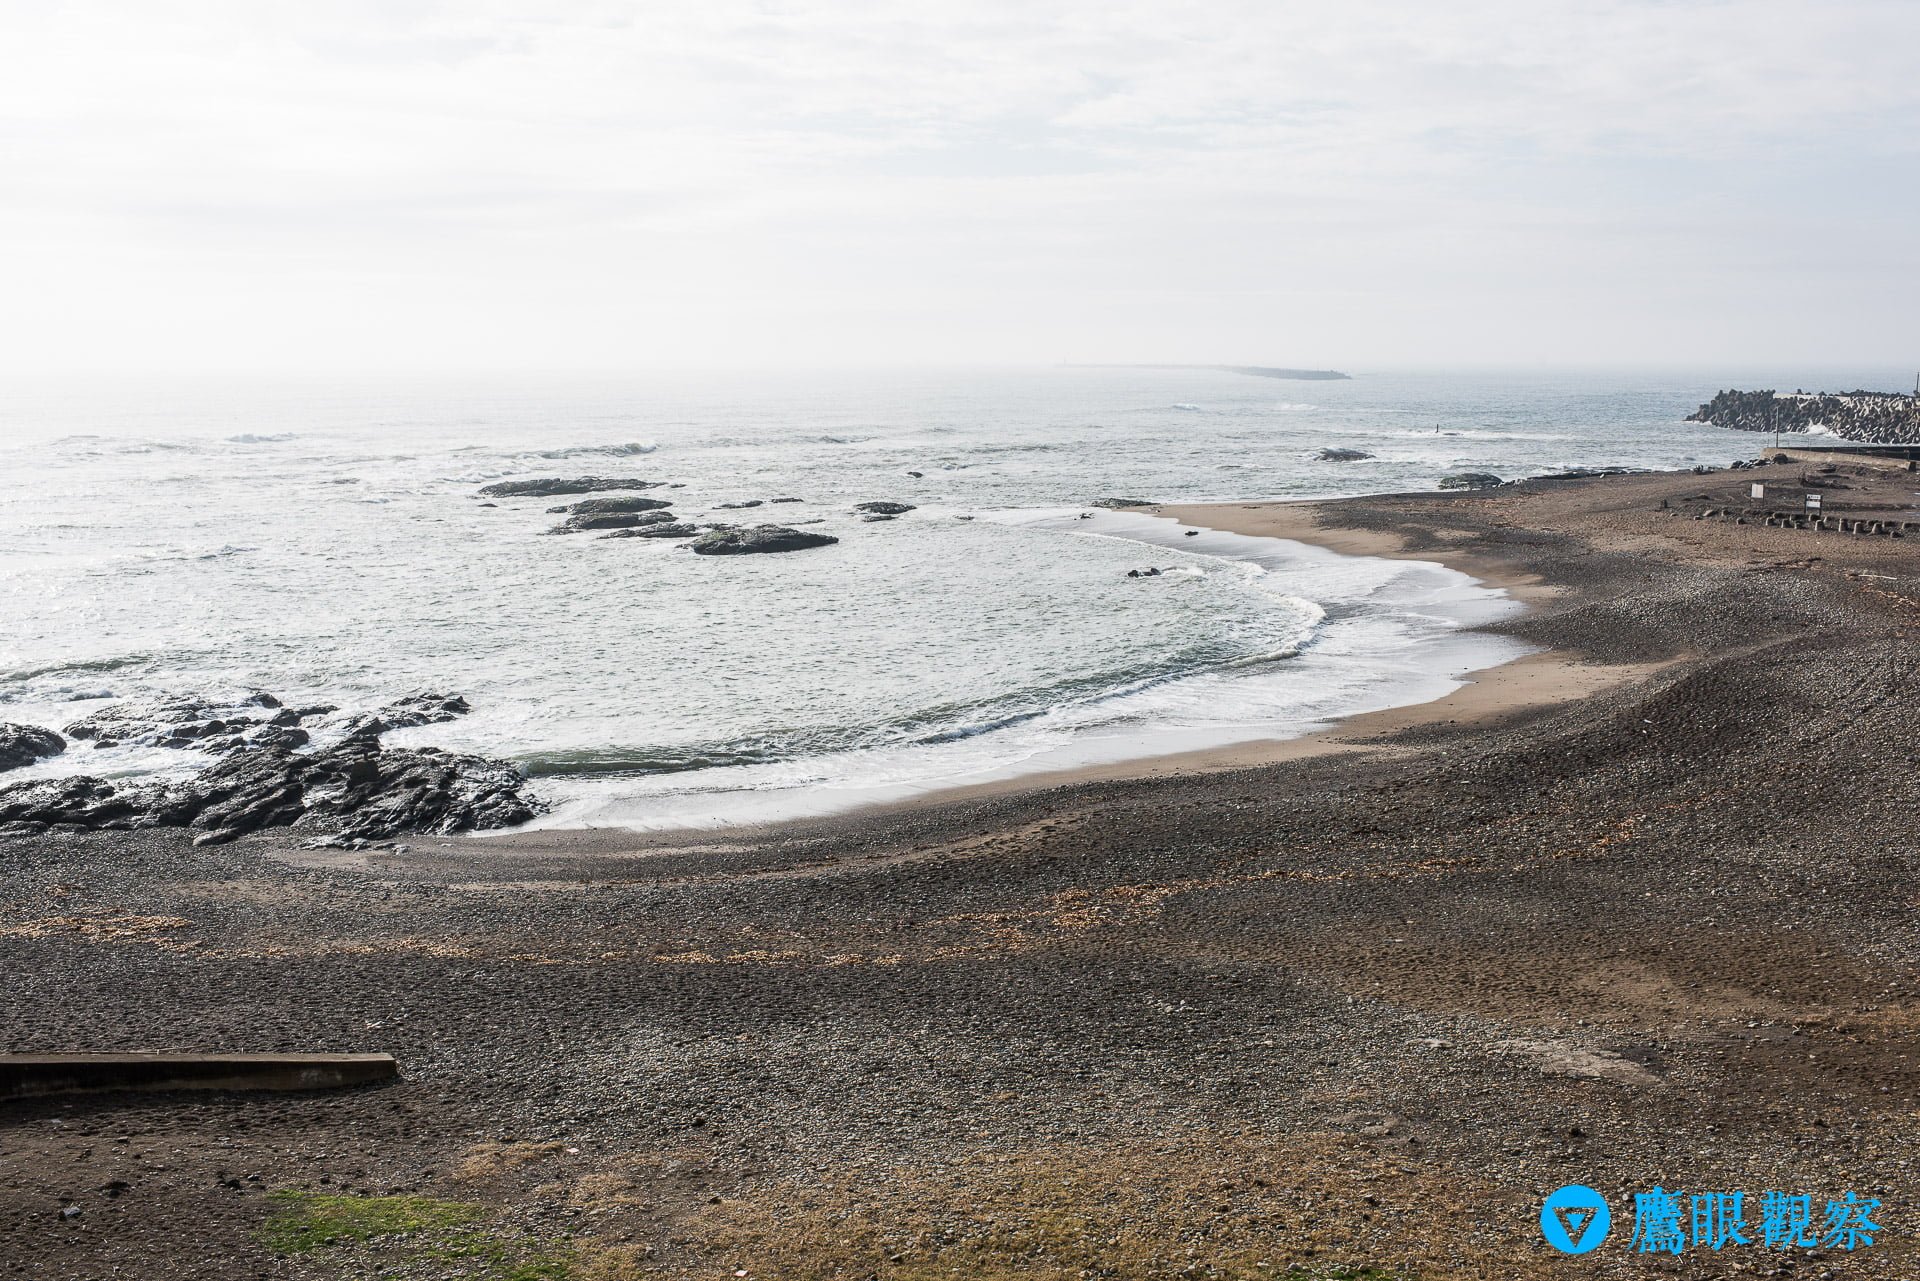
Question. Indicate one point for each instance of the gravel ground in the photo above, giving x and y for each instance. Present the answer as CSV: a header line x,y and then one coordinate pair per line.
x,y
1337,1014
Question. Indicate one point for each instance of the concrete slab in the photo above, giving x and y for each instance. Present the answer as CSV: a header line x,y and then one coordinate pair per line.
x,y
24,1076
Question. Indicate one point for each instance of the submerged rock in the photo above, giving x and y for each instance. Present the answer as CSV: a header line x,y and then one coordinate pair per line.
x,y
24,744
581,522
408,712
1342,455
1471,480
674,529
757,539
601,505
553,486
748,502
873,516
884,509
186,722
1116,504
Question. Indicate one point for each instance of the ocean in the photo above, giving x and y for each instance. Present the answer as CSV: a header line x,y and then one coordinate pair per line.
x,y
324,540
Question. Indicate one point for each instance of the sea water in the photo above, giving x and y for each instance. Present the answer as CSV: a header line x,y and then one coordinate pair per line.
x,y
325,540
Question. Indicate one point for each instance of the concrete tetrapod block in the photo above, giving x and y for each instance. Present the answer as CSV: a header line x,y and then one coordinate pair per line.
x,y
25,1076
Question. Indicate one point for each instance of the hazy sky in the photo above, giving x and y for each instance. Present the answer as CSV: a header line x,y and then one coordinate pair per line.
x,y
399,184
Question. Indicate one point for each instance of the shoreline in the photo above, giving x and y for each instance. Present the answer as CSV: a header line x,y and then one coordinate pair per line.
x,y
1526,682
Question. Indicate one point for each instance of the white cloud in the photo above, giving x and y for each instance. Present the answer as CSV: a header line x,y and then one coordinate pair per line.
x,y
598,183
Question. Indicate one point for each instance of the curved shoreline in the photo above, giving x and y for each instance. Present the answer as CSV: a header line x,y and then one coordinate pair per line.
x,y
1544,678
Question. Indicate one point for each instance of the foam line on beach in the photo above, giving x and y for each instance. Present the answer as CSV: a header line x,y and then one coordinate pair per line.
x,y
1392,633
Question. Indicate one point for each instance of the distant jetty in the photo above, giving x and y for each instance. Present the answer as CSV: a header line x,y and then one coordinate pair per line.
x,y
1875,417
1257,371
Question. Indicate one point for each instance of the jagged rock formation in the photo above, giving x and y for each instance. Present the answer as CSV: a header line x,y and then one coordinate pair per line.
x,y
257,721
1471,480
1871,417
350,793
24,744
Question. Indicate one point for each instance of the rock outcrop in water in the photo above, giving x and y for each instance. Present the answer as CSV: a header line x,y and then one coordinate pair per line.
x,y
1121,504
407,713
354,791
582,522
22,745
884,508
1342,455
601,506
260,720
1870,417
674,529
554,486
758,539
1471,480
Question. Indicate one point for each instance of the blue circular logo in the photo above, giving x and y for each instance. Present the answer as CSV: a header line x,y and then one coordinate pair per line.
x,y
1575,1219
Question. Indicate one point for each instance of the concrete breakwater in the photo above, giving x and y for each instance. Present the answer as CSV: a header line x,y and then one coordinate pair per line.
x,y
1879,417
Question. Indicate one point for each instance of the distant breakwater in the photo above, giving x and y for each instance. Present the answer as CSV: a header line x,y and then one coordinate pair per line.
x,y
1872,417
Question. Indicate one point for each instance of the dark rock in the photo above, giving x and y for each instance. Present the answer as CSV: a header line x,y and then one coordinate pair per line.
x,y
916,475
1120,504
873,516
1471,480
673,530
602,505
580,522
1149,572
759,538
406,713
1342,455
355,791
750,502
884,509
786,500
78,800
24,744
553,486
181,722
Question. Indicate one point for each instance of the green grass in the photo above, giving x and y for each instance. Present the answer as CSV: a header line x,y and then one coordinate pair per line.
x,y
436,1232
306,1221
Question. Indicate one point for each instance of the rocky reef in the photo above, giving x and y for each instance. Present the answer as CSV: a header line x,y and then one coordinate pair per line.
x,y
1870,417
758,539
352,792
556,486
24,744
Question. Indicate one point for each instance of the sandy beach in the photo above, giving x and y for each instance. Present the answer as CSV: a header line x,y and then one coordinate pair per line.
x,y
1636,910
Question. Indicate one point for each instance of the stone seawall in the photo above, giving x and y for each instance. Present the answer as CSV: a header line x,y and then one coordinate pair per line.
x,y
1877,417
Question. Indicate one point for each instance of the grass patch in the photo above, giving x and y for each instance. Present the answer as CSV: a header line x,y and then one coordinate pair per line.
x,y
412,1231
306,1221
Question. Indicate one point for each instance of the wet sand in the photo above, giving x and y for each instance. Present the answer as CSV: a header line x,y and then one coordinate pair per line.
x,y
1638,910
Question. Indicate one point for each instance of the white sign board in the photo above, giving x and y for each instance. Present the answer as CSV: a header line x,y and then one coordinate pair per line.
x,y
1759,490
1813,502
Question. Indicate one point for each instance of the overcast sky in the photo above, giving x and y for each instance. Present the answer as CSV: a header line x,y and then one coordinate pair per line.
x,y
402,185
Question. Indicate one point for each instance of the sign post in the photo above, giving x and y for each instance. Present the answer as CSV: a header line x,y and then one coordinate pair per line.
x,y
1813,502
